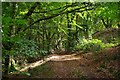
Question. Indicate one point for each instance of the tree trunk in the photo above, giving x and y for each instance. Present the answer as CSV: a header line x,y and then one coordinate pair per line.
x,y
11,33
7,60
43,40
69,33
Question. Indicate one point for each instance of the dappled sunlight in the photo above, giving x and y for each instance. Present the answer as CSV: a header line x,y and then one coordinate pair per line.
x,y
35,64
66,40
51,58
64,57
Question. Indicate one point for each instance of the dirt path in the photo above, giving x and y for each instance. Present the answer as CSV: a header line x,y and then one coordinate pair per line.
x,y
76,65
52,57
69,66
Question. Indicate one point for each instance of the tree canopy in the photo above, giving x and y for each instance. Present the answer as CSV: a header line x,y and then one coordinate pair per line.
x,y
35,29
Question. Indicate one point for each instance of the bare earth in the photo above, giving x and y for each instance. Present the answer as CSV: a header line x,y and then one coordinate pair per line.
x,y
87,65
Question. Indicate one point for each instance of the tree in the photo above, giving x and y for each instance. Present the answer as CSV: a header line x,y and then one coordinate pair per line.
x,y
30,29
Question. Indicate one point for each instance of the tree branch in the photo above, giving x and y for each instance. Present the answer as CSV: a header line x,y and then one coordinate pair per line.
x,y
31,10
47,11
55,15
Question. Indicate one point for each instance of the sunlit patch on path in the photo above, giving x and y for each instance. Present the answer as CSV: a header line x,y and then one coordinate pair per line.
x,y
51,58
64,57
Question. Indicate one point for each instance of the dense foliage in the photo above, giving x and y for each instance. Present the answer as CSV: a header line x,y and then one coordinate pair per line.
x,y
36,29
93,45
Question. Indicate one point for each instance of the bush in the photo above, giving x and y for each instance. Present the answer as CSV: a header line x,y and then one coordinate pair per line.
x,y
93,45
90,45
28,51
43,53
27,48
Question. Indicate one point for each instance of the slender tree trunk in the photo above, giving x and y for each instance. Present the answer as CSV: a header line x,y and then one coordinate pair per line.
x,y
76,33
70,44
43,40
11,33
119,30
68,38
30,31
7,60
38,38
48,41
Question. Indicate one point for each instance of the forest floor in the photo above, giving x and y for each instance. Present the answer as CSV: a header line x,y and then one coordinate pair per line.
x,y
104,64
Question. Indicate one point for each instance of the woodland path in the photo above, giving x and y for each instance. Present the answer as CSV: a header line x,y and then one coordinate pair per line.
x,y
53,57
64,66
75,65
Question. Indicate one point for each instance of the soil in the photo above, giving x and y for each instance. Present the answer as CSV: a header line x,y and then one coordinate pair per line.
x,y
104,64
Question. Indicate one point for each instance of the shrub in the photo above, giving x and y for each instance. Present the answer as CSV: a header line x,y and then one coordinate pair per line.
x,y
29,49
93,45
90,45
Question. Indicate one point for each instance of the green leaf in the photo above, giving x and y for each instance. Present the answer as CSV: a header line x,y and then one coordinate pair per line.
x,y
20,21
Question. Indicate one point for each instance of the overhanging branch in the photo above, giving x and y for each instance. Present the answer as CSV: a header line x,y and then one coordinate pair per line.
x,y
66,6
60,13
31,10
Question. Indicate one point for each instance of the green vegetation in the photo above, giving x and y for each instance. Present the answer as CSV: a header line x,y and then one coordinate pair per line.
x,y
33,30
93,45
